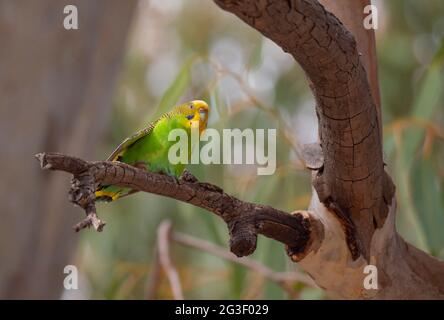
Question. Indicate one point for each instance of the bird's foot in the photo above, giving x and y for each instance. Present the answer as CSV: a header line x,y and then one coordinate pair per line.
x,y
187,177
141,165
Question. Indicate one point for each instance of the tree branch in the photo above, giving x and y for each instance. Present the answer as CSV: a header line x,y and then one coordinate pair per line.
x,y
154,276
352,177
284,279
352,192
278,277
163,243
300,231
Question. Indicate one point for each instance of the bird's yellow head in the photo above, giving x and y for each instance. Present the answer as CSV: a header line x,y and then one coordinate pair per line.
x,y
196,110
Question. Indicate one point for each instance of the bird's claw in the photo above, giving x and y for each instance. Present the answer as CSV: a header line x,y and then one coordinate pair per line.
x,y
141,165
187,177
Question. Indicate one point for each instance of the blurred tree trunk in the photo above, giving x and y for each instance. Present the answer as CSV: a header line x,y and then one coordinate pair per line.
x,y
56,87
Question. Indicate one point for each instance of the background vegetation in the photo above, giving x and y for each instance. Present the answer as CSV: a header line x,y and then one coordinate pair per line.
x,y
192,50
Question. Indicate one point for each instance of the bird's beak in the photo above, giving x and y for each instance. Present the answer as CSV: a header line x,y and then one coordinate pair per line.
x,y
203,113
200,104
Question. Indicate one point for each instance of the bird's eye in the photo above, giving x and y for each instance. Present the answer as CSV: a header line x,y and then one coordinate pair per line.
x,y
191,106
191,116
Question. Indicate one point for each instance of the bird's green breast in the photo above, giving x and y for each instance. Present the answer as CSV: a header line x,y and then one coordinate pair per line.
x,y
153,148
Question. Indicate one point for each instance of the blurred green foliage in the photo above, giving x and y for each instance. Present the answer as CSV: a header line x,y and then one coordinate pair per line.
x,y
179,52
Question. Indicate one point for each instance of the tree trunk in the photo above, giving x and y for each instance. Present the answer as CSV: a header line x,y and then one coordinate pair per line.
x,y
56,87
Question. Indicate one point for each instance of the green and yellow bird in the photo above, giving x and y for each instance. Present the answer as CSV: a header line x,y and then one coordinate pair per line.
x,y
149,147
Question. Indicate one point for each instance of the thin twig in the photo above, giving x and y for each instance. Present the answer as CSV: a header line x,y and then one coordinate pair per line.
x,y
154,276
278,277
163,241
92,219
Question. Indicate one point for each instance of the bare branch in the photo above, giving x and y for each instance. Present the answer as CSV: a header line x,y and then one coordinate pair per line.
x,y
92,219
281,278
352,176
154,276
300,231
163,243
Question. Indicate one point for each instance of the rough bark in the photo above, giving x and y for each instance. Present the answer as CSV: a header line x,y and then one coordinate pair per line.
x,y
351,14
348,126
245,220
55,88
353,197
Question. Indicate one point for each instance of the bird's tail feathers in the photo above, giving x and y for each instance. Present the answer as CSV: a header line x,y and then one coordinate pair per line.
x,y
102,195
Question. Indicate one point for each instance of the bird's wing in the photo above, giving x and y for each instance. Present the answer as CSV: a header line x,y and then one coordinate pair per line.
x,y
125,144
138,135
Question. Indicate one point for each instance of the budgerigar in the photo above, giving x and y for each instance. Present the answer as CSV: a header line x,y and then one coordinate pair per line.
x,y
149,147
